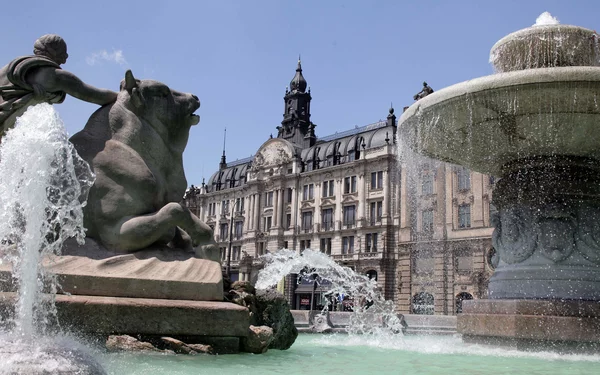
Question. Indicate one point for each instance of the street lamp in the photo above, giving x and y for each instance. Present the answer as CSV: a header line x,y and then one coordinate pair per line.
x,y
231,181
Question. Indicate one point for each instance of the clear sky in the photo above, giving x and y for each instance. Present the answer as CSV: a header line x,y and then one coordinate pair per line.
x,y
238,56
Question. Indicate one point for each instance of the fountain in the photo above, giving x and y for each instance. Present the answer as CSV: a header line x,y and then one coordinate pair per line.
x,y
371,315
40,208
534,124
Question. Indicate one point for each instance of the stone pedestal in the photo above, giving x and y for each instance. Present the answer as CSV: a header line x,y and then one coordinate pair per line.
x,y
547,230
161,273
532,324
221,324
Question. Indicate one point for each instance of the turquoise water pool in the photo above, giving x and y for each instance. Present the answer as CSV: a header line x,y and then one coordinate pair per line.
x,y
343,354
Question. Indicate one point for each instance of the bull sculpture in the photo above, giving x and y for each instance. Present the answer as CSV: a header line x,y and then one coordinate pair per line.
x,y
135,147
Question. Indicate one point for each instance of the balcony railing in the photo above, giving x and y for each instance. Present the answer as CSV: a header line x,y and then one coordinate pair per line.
x,y
305,229
374,221
349,224
327,226
371,255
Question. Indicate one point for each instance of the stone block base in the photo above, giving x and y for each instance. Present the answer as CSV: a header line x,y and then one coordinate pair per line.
x,y
141,316
532,324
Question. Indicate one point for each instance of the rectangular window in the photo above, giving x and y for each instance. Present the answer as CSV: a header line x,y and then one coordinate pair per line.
x,y
377,180
239,205
464,216
463,262
236,252
423,263
464,179
288,221
267,221
269,199
212,209
351,155
224,207
239,229
304,244
427,185
308,192
285,244
223,252
349,215
427,221
290,195
224,231
350,185
326,246
307,221
261,249
348,245
371,242
375,212
328,187
327,219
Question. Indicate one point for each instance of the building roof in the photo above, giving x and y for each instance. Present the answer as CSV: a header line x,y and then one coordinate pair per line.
x,y
326,149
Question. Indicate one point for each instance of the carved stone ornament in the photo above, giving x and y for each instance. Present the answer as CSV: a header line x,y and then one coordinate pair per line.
x,y
514,238
274,153
587,237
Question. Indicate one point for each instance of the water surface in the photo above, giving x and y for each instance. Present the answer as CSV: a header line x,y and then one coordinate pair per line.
x,y
343,354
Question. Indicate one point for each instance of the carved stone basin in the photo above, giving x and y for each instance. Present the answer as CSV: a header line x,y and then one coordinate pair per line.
x,y
491,121
539,130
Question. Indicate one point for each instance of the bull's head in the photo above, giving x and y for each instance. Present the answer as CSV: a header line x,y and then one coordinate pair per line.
x,y
157,103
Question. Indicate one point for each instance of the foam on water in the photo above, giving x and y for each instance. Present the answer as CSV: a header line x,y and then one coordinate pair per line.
x,y
372,314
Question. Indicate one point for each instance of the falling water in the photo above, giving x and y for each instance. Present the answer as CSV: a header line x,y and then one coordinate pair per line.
x,y
42,180
372,314
44,185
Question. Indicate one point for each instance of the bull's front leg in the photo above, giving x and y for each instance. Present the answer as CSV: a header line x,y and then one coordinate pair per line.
x,y
138,232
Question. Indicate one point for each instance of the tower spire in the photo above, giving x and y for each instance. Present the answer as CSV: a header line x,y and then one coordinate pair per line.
x,y
223,163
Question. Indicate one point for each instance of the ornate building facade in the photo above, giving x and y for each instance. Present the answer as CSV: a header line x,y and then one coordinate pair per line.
x,y
424,236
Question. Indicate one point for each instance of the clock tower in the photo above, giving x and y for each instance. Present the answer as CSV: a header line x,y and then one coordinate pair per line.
x,y
296,126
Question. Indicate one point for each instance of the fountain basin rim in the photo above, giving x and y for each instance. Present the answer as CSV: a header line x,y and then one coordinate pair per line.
x,y
540,29
503,80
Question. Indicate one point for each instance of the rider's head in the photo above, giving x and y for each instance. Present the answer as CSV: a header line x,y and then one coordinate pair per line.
x,y
53,47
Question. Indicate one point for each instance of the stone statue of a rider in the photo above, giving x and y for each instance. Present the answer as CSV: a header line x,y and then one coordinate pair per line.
x,y
30,80
424,92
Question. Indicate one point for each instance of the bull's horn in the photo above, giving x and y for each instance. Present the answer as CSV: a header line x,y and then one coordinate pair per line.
x,y
130,82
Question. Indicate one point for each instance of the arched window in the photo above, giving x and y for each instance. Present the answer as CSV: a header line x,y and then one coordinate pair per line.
x,y
422,303
372,275
460,297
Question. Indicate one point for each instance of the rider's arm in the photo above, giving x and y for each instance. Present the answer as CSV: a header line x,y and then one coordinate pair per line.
x,y
54,80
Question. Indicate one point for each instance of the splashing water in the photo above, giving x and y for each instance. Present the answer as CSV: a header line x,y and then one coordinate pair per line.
x,y
546,19
44,185
372,314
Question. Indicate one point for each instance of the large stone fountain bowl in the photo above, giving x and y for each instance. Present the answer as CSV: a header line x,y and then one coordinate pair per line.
x,y
546,46
489,122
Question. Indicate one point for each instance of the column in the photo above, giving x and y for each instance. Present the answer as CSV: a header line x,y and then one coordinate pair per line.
x,y
280,209
386,198
257,212
294,208
362,202
276,208
317,213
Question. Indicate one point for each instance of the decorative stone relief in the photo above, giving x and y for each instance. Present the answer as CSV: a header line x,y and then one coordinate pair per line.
x,y
554,231
514,237
273,154
587,237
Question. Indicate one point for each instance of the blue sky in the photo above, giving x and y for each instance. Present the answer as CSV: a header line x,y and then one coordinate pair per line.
x,y
238,56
